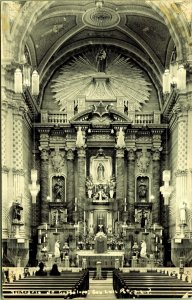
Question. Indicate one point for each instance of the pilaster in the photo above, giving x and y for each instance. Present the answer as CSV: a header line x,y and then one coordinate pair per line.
x,y
120,167
44,148
81,196
156,185
131,185
70,183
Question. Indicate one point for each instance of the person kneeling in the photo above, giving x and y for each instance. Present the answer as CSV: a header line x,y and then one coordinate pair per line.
x,y
54,271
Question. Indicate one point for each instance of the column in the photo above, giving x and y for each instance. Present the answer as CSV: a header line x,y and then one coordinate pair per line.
x,y
120,191
70,184
131,186
156,186
182,172
18,148
44,185
81,196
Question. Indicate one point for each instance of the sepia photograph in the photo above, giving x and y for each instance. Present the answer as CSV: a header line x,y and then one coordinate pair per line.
x,y
96,149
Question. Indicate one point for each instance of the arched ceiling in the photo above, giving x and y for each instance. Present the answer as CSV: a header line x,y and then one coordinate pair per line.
x,y
147,30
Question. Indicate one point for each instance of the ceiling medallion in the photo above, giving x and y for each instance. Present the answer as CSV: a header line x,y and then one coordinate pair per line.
x,y
101,18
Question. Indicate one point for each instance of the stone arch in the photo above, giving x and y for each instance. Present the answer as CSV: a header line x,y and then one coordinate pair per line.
x,y
177,26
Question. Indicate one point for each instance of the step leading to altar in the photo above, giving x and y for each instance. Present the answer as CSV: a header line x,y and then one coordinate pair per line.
x,y
107,259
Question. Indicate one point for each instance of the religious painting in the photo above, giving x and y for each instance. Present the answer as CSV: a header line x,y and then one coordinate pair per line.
x,y
58,189
101,169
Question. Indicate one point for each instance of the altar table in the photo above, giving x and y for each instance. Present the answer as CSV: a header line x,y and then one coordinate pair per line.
x,y
107,259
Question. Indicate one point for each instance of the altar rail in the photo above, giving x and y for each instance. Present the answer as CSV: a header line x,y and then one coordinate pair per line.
x,y
57,117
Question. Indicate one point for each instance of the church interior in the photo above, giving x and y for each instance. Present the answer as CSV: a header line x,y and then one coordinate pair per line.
x,y
96,133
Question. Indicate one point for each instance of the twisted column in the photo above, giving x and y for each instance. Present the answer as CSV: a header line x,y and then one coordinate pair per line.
x,y
81,196
156,185
120,192
70,184
131,185
44,185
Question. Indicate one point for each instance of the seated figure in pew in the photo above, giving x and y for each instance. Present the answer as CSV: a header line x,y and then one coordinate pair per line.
x,y
54,271
41,272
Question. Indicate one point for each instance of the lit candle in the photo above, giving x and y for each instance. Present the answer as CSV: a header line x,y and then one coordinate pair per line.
x,y
84,228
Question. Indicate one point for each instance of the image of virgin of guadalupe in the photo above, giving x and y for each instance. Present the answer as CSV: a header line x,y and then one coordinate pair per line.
x,y
100,172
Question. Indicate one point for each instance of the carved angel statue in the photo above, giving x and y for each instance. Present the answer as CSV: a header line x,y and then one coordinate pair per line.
x,y
121,139
89,185
80,140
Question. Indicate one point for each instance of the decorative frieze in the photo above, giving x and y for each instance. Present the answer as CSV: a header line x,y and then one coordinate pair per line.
x,y
57,160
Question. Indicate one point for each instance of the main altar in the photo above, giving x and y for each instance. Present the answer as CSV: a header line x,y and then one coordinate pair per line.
x,y
100,182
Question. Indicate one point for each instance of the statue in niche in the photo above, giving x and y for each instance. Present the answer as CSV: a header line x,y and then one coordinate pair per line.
x,y
57,189
17,208
100,172
101,60
183,211
142,191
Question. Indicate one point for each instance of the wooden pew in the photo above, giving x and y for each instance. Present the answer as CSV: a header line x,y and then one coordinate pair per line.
x,y
69,285
147,285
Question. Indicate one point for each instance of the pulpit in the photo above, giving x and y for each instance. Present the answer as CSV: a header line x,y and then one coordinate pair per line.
x,y
100,242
